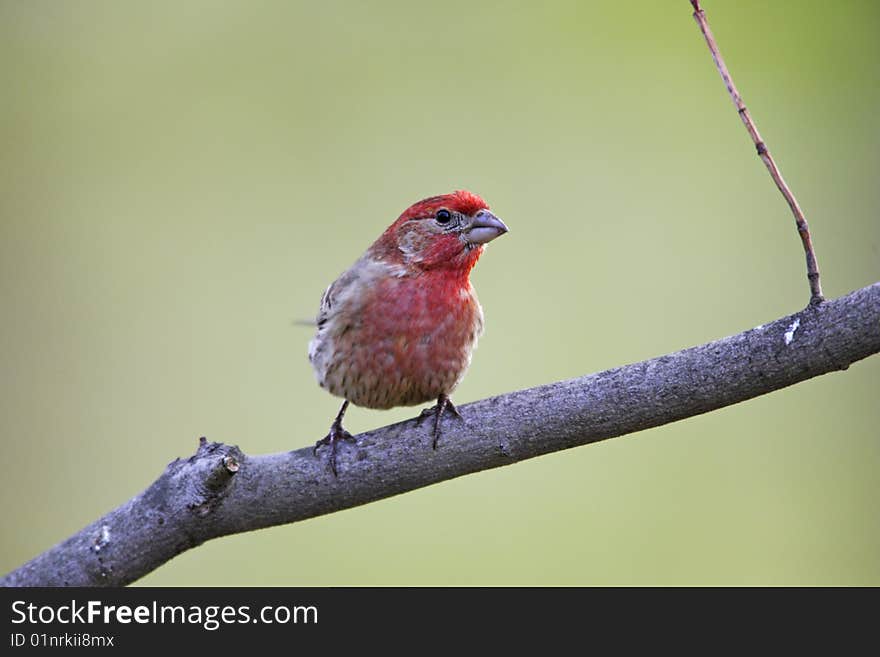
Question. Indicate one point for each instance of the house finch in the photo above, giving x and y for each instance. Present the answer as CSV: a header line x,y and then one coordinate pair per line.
x,y
398,327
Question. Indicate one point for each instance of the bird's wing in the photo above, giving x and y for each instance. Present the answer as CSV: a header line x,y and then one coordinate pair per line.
x,y
334,295
350,291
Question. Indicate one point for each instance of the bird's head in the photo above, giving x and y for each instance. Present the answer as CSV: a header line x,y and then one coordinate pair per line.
x,y
440,232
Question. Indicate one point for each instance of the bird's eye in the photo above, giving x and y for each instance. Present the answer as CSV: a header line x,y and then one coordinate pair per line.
x,y
443,216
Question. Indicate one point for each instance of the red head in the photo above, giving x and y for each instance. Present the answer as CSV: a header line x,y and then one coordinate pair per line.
x,y
440,232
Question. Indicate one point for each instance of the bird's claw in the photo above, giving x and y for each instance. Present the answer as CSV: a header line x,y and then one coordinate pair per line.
x,y
429,412
443,405
337,433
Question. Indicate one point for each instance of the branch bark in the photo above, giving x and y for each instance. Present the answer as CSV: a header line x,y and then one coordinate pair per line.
x,y
220,490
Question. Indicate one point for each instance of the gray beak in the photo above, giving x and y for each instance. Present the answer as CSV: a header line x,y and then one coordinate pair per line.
x,y
484,227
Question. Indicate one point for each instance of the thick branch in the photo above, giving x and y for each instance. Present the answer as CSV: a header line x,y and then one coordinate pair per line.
x,y
800,221
220,491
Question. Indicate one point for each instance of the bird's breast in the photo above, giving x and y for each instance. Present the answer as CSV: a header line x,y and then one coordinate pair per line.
x,y
410,341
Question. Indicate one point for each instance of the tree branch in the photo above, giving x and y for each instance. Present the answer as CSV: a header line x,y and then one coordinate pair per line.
x,y
220,491
800,221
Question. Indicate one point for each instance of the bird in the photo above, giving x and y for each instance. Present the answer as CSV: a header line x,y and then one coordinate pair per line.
x,y
399,326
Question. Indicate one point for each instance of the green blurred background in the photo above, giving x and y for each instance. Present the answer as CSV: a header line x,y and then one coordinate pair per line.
x,y
180,181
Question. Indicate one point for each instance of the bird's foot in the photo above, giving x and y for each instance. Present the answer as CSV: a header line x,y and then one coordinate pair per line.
x,y
332,439
443,404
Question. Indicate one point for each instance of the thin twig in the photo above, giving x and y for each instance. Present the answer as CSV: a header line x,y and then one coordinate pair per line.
x,y
221,491
803,229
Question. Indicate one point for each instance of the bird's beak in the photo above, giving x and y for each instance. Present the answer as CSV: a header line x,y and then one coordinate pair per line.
x,y
484,227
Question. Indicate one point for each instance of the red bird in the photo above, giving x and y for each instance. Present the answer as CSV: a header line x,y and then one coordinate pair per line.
x,y
398,327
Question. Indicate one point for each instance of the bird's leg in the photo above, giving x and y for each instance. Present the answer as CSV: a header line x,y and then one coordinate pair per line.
x,y
444,403
337,433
